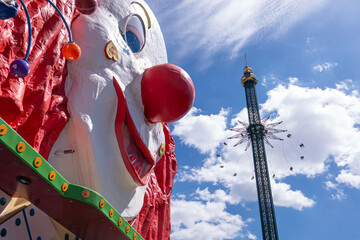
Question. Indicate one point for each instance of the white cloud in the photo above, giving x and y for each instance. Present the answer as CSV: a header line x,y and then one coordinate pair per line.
x,y
285,197
325,66
220,24
270,79
195,219
346,84
330,185
219,196
333,187
293,80
251,236
204,132
242,186
324,120
349,178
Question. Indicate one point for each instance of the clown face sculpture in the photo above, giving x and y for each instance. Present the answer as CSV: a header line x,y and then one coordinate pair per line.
x,y
120,92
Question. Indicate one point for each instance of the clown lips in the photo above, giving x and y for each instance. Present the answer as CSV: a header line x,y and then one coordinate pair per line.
x,y
167,94
137,158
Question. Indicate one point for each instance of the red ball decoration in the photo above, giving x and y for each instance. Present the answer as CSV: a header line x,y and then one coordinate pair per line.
x,y
167,93
71,51
86,6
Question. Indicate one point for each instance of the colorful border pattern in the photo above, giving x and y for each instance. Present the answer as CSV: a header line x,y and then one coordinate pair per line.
x,y
12,140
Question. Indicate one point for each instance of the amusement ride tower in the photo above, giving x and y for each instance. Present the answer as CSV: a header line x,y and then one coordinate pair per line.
x,y
257,132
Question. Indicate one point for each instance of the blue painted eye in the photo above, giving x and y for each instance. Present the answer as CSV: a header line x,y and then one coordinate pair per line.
x,y
135,33
132,41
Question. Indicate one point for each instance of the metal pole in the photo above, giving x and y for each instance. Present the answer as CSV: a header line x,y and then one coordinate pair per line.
x,y
256,133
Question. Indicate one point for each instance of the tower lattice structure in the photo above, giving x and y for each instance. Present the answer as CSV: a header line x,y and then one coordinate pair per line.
x,y
257,132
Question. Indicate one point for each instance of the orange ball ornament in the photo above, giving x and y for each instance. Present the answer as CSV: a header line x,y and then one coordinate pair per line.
x,y
71,51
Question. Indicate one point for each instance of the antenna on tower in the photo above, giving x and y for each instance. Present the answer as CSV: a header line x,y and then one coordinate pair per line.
x,y
245,60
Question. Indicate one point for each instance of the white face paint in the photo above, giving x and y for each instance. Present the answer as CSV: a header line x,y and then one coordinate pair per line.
x,y
115,148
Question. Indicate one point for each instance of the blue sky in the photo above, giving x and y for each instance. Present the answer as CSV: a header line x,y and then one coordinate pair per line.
x,y
306,57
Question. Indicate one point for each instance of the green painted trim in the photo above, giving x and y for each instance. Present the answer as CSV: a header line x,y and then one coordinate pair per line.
x,y
11,139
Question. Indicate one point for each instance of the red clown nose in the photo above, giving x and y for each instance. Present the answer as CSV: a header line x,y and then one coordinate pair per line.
x,y
167,93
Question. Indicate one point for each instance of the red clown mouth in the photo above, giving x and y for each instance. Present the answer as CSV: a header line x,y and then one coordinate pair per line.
x,y
137,157
167,93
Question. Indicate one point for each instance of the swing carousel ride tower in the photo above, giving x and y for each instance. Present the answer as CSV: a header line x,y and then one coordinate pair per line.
x,y
257,132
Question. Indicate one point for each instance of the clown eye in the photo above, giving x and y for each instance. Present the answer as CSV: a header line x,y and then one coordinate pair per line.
x,y
134,33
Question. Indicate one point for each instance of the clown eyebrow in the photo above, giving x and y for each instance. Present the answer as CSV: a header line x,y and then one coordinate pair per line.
x,y
146,13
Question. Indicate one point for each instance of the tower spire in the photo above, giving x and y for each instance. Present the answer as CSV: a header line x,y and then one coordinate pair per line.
x,y
256,132
248,74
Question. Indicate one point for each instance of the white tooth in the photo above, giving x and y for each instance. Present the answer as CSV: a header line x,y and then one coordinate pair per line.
x,y
138,170
137,164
